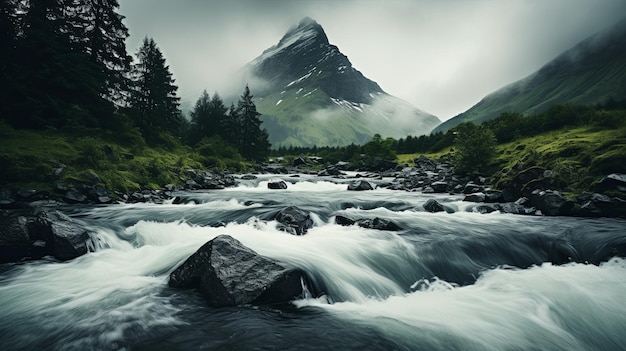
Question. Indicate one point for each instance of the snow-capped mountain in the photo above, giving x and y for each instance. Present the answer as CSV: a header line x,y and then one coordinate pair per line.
x,y
309,94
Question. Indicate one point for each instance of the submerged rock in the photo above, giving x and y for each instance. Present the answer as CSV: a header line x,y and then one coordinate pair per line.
x,y
227,273
294,220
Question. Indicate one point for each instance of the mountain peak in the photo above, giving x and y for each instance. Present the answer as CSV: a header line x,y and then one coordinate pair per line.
x,y
306,33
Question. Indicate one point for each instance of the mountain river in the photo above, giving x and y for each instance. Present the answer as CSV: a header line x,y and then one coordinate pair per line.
x,y
446,281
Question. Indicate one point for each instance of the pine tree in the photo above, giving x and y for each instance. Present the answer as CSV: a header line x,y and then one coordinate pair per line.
x,y
218,116
153,101
254,141
200,121
105,42
54,83
8,33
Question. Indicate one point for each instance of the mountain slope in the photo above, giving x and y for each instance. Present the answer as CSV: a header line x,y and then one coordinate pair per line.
x,y
591,72
309,94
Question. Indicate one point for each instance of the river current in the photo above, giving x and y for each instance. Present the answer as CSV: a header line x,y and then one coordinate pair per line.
x,y
446,281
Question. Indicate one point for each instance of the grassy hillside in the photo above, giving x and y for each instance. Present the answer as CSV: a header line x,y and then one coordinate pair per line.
x,y
593,71
578,156
40,159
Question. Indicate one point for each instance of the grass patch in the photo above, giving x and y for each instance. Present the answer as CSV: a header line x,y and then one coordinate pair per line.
x,y
41,159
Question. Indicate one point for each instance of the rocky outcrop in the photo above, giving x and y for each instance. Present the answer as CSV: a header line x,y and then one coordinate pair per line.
x,y
46,232
227,273
294,220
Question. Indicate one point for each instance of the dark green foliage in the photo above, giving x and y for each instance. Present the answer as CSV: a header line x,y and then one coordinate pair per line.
x,y
253,141
209,117
474,148
63,60
377,147
154,104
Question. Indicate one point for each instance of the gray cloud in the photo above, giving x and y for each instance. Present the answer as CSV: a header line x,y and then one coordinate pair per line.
x,y
441,56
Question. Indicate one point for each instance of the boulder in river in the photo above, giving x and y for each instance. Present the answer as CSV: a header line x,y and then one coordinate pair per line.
x,y
227,273
294,220
67,238
433,205
360,186
281,184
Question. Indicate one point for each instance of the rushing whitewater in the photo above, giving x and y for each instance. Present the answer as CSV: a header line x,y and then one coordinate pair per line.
x,y
446,281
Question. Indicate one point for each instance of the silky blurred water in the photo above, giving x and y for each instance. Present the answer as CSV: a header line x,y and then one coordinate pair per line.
x,y
446,281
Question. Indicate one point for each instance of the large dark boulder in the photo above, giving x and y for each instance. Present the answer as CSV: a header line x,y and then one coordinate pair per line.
x,y
551,203
38,233
227,273
439,186
433,206
277,185
614,181
15,241
66,238
294,220
360,186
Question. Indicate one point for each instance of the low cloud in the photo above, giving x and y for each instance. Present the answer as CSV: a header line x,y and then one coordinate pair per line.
x,y
441,56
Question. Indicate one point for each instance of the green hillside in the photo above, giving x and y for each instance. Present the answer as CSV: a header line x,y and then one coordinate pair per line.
x,y
593,71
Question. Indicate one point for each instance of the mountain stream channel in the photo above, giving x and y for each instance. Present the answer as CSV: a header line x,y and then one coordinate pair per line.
x,y
445,281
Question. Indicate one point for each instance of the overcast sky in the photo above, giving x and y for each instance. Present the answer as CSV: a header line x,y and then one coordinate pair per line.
x,y
442,56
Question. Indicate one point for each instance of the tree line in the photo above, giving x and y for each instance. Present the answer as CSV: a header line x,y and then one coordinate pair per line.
x,y
474,145
64,65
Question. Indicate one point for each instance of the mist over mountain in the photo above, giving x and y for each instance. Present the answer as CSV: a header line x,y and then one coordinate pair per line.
x,y
593,71
310,94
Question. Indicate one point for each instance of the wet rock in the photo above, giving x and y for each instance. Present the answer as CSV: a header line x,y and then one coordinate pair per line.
x,y
471,188
476,197
227,273
378,224
67,238
343,220
600,205
281,184
294,220
426,164
433,206
14,238
439,186
369,223
515,208
614,181
73,196
551,203
360,185
483,209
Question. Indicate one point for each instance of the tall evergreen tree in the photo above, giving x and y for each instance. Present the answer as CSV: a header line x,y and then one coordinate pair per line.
x,y
200,122
54,83
254,141
8,33
105,43
153,100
